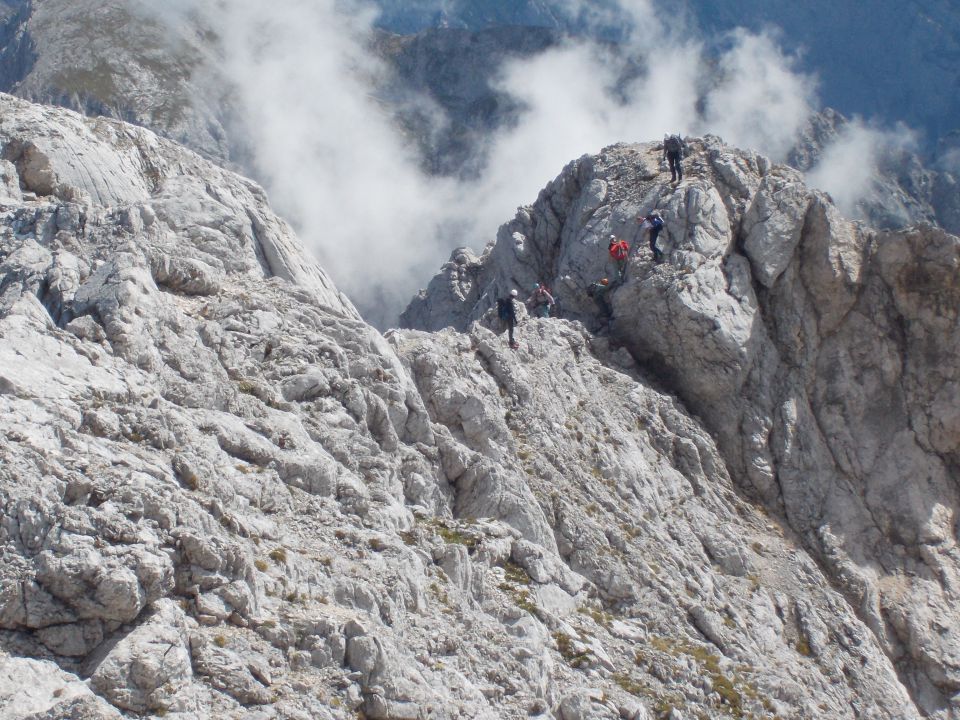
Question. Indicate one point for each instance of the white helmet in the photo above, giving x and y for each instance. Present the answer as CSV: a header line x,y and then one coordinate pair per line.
x,y
513,293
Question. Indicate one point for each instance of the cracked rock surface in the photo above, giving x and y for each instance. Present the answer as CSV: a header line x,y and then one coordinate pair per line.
x,y
224,495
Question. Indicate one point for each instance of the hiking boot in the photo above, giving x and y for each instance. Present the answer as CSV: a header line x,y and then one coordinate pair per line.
x,y
514,346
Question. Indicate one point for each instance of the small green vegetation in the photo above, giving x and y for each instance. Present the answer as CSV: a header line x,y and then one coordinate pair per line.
x,y
515,585
220,641
524,602
521,596
246,387
260,564
377,545
515,574
279,556
601,617
439,593
665,706
733,691
566,648
630,685
453,536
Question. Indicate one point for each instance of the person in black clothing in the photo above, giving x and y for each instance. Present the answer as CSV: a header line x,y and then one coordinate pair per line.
x,y
598,291
673,151
507,312
654,223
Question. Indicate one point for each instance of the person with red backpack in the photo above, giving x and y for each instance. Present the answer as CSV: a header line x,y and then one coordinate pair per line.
x,y
619,251
540,300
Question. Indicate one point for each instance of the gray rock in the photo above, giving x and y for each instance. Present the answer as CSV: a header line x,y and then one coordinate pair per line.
x,y
251,498
144,670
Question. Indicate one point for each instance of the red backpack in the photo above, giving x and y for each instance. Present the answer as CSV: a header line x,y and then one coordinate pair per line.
x,y
619,250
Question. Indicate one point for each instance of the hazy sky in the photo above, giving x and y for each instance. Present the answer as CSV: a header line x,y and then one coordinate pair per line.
x,y
336,166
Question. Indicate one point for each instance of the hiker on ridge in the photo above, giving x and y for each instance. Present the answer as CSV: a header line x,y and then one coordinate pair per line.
x,y
654,223
619,251
541,302
507,312
674,150
598,291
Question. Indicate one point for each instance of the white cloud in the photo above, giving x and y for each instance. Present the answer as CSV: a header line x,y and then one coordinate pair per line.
x,y
950,162
849,167
760,102
337,167
325,148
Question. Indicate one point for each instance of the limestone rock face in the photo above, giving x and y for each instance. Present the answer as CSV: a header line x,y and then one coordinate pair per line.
x,y
819,353
224,495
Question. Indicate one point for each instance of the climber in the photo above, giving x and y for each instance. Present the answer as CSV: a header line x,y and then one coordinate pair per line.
x,y
619,251
507,312
673,151
540,300
654,223
598,291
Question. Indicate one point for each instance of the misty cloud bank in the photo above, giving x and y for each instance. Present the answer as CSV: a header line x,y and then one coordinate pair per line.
x,y
850,165
336,165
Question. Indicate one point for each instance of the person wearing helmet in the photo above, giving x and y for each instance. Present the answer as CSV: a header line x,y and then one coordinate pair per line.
x,y
619,251
541,301
507,312
598,291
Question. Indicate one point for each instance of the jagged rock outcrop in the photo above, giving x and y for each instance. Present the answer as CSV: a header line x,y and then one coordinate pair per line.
x,y
821,355
224,495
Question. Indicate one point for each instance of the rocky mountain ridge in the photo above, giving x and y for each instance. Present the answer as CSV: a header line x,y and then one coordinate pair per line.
x,y
224,495
819,353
